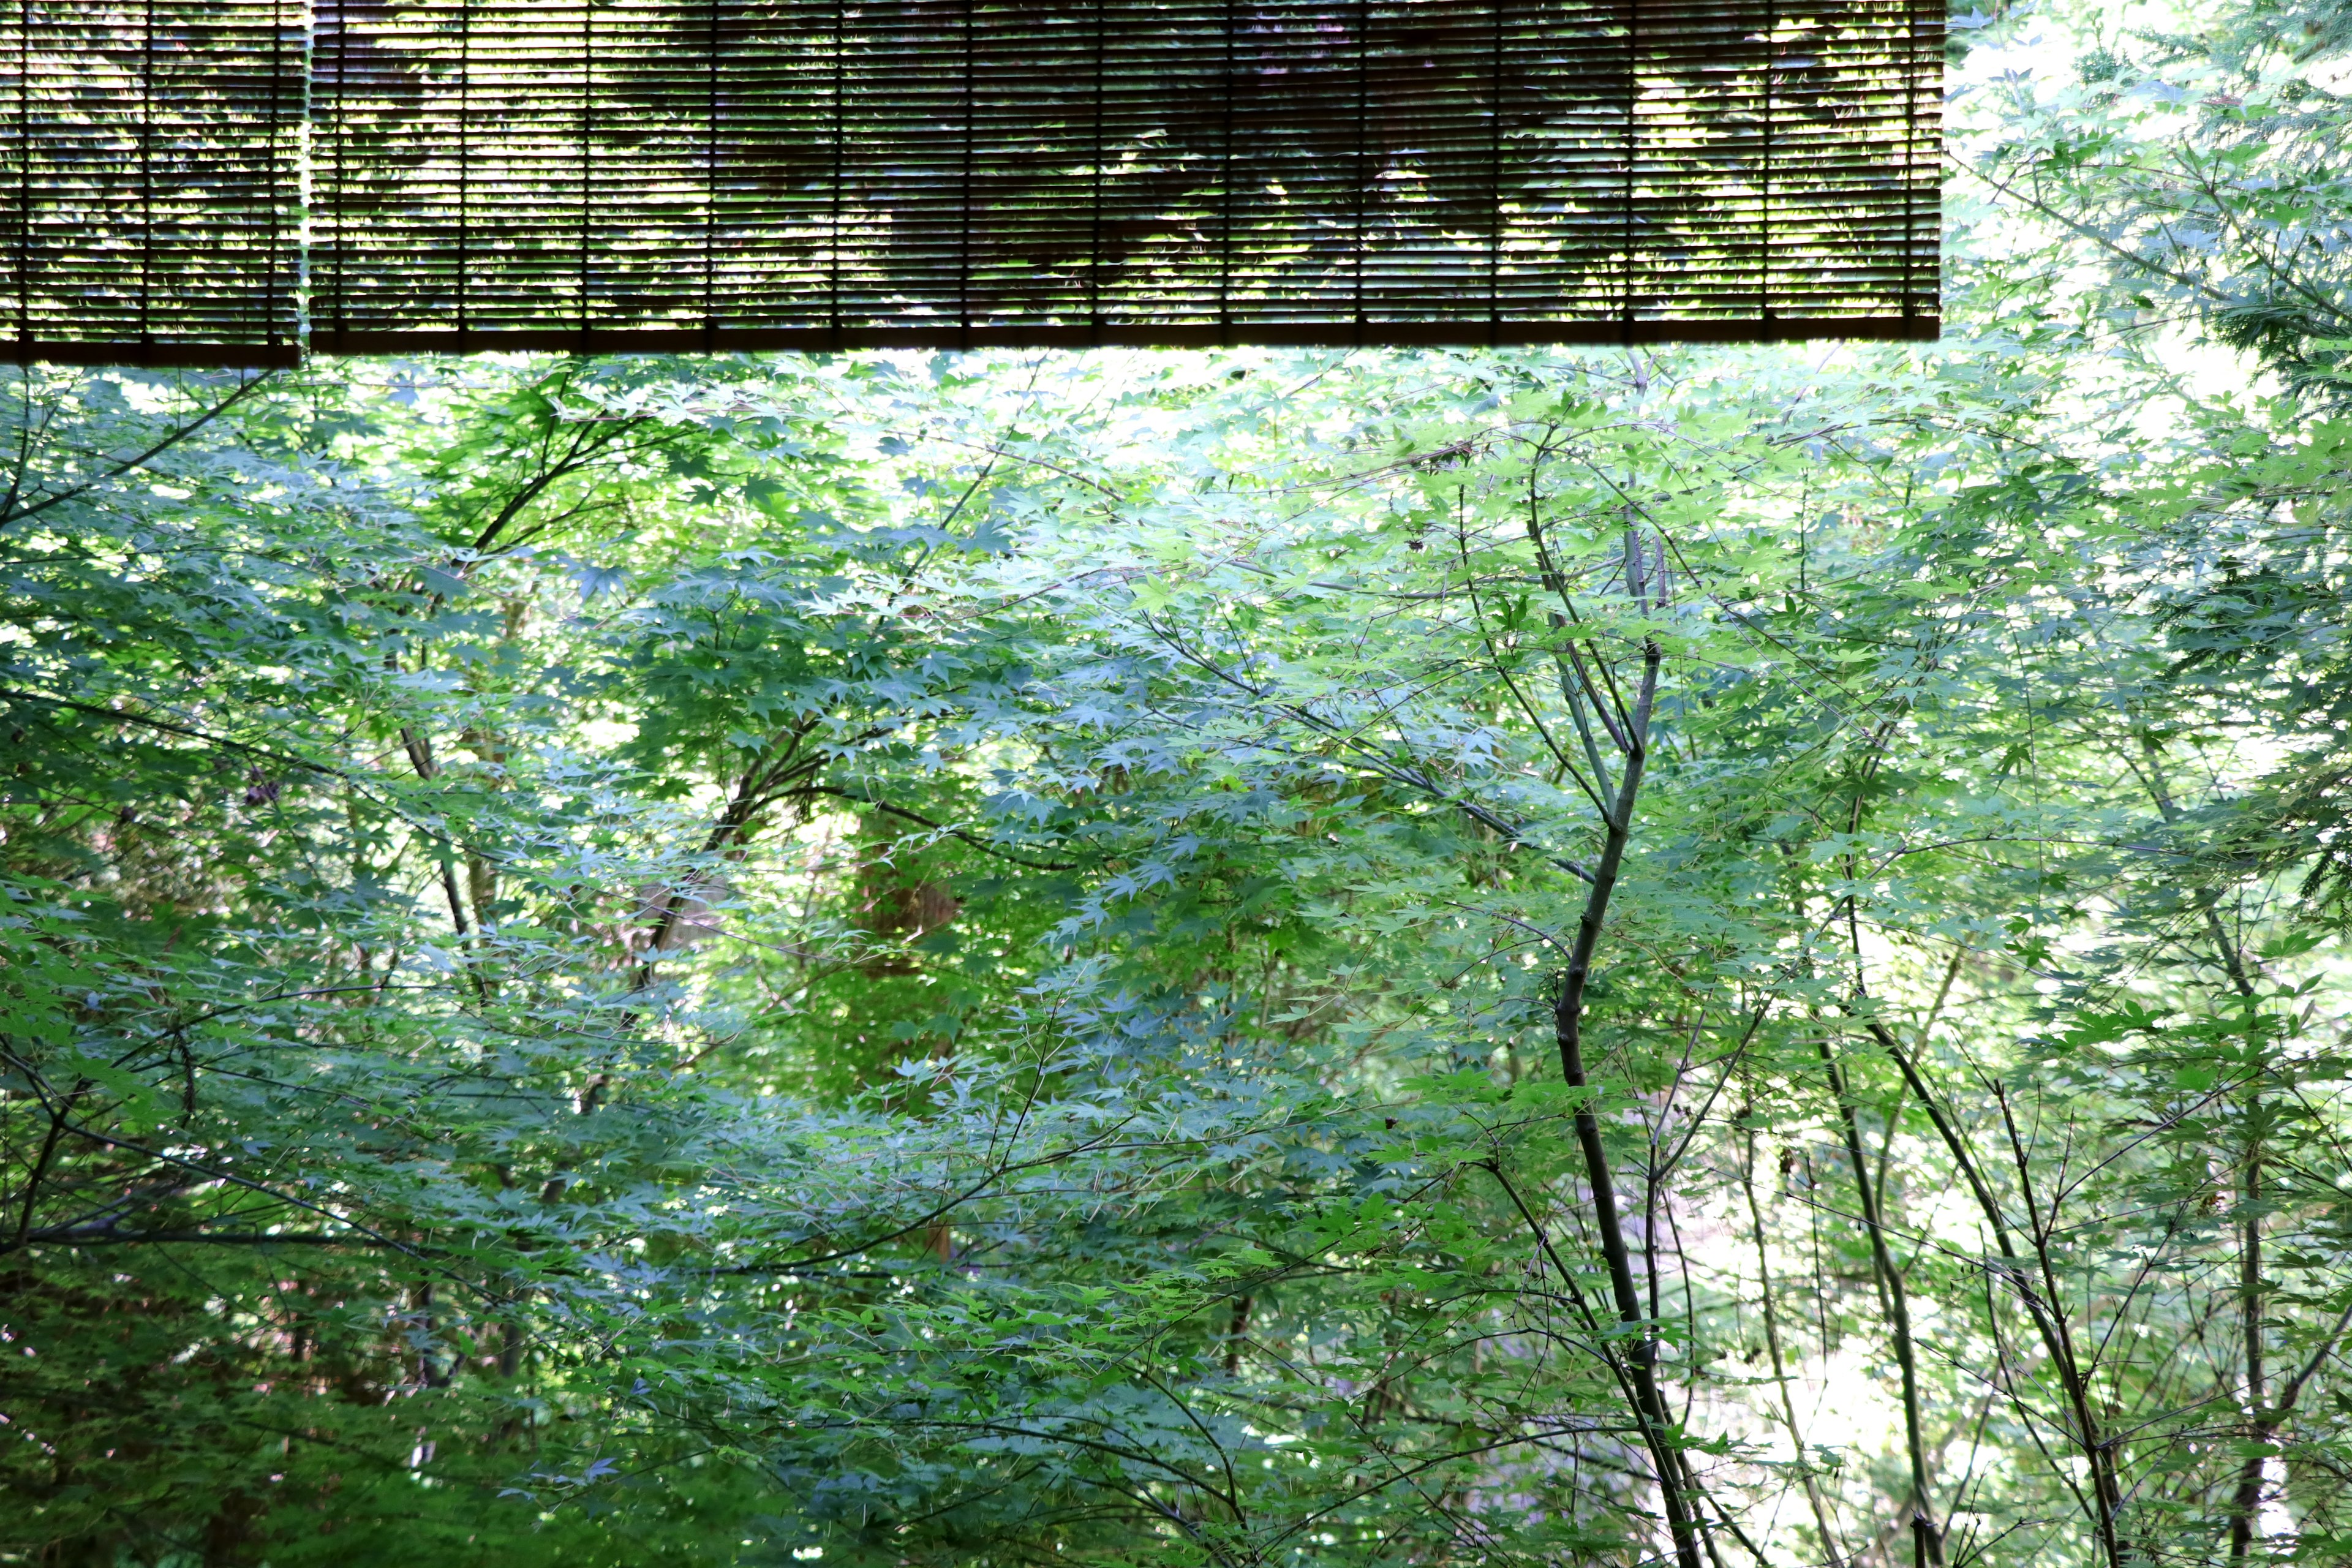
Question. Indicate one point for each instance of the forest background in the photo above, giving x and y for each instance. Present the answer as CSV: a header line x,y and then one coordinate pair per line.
x,y
1520,956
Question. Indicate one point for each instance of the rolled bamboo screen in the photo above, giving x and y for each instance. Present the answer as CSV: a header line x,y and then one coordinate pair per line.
x,y
230,181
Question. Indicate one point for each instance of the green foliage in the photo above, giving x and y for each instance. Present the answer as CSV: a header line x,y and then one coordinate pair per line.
x,y
983,960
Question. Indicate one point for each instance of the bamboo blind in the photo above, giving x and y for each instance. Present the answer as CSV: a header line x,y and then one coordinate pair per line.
x,y
688,174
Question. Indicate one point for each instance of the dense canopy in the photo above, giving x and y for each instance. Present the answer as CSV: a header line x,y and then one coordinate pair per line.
x,y
1516,956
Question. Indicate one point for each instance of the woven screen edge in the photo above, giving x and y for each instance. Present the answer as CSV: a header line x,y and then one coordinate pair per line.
x,y
1376,335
